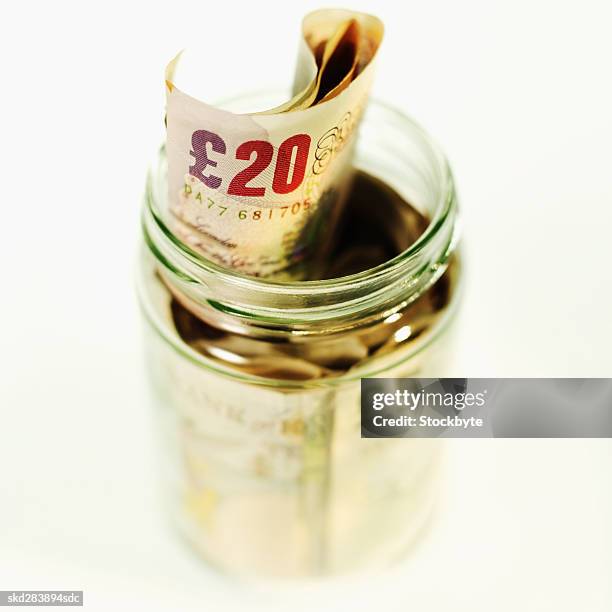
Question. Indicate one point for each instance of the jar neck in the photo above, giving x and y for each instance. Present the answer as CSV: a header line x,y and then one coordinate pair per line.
x,y
315,307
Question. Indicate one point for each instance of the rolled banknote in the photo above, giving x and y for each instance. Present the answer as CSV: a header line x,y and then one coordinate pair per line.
x,y
261,192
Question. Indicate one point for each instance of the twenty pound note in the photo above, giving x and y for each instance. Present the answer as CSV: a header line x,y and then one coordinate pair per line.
x,y
261,192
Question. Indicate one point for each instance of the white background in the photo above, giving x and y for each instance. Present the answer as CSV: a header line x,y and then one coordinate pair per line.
x,y
519,95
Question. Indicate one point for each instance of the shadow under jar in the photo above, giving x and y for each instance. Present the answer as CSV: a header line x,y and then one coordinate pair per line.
x,y
257,383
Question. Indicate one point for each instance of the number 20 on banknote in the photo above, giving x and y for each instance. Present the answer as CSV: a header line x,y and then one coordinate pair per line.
x,y
285,179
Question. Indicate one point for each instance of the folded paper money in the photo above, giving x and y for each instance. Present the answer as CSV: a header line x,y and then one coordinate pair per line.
x,y
261,192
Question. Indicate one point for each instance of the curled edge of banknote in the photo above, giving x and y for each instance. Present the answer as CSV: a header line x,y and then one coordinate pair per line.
x,y
329,37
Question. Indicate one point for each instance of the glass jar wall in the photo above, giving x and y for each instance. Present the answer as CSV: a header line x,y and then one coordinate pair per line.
x,y
256,382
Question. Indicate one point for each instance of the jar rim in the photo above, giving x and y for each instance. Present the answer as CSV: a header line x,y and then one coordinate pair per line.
x,y
260,296
331,382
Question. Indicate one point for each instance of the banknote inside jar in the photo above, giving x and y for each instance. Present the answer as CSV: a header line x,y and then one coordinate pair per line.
x,y
377,224
260,191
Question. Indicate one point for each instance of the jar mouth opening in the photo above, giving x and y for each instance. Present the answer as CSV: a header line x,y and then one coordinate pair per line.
x,y
323,286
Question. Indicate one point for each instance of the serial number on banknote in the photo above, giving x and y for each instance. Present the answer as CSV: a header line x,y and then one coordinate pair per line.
x,y
289,165
255,215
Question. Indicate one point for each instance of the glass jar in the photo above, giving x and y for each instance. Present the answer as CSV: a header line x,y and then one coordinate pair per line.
x,y
264,462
